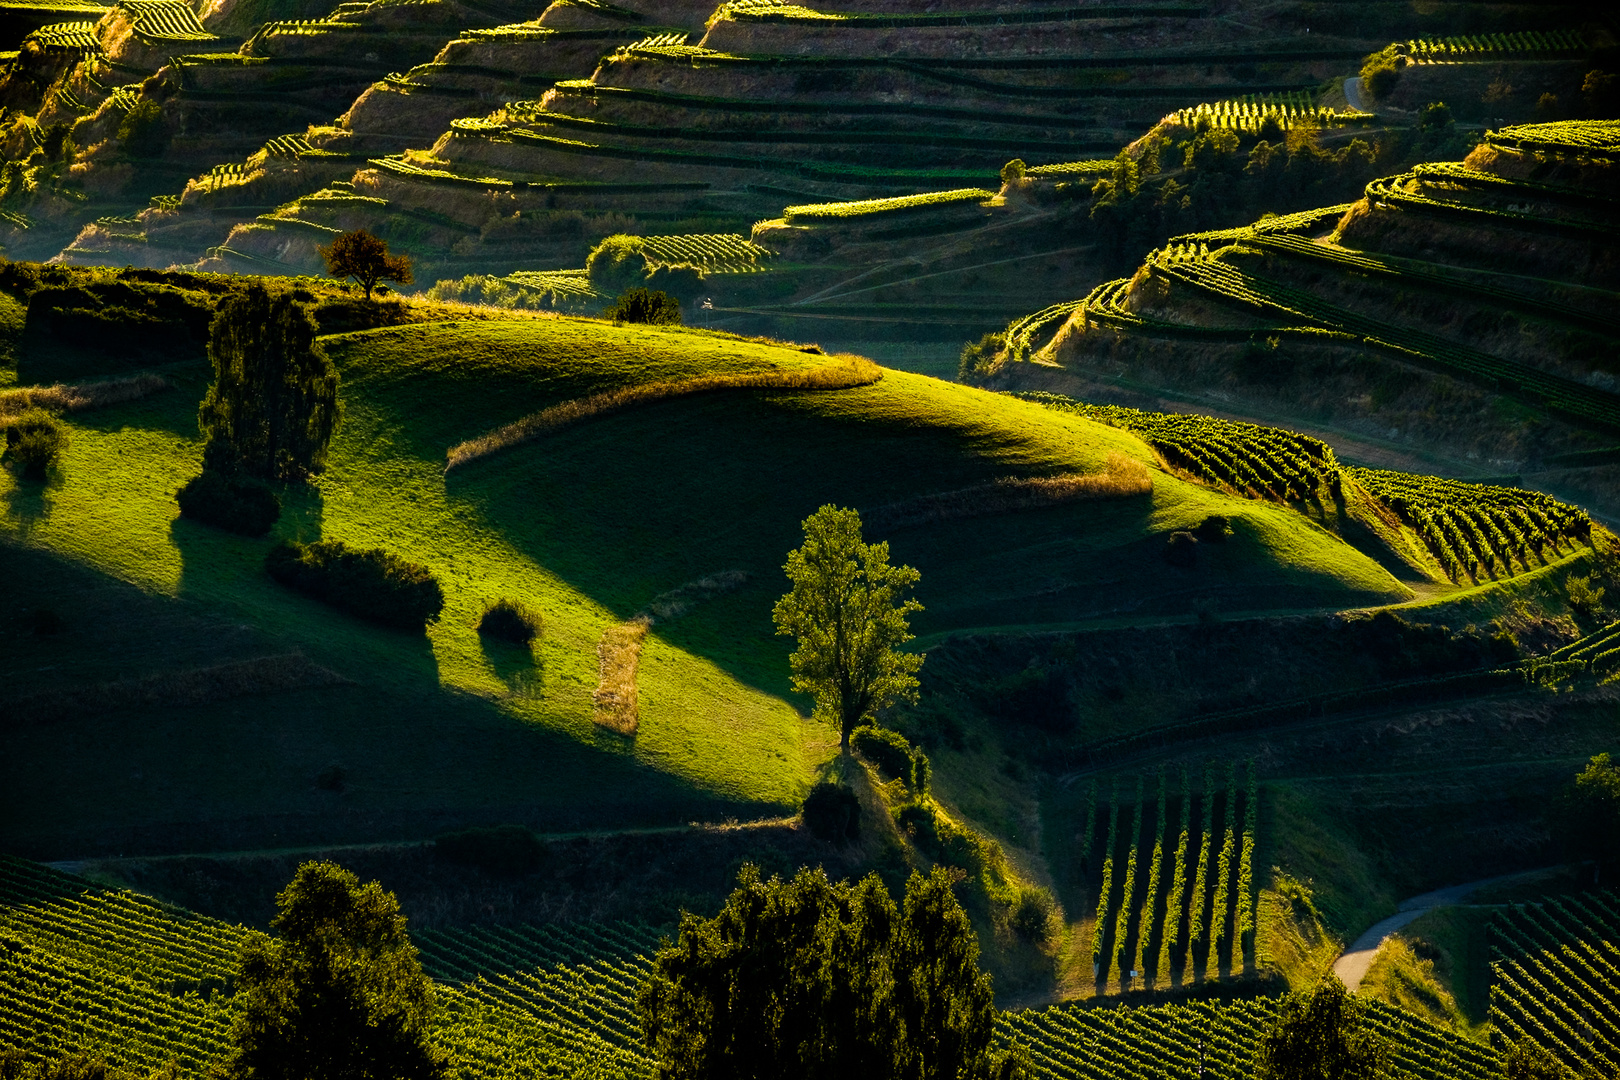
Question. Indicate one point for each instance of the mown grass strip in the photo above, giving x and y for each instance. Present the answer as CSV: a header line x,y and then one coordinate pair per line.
x,y
845,373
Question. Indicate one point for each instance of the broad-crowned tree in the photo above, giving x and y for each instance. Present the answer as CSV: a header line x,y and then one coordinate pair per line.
x,y
814,980
365,258
847,610
1590,812
1322,1035
340,994
273,406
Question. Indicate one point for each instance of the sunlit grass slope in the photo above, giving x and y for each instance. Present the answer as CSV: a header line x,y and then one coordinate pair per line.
x,y
588,524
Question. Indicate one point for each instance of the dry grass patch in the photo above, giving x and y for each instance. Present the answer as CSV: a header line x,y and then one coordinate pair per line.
x,y
91,395
618,656
194,686
1121,477
843,373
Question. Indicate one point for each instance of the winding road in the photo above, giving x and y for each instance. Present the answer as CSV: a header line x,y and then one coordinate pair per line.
x,y
1351,967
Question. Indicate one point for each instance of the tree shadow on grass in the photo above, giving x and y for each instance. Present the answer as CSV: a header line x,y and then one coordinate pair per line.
x,y
26,502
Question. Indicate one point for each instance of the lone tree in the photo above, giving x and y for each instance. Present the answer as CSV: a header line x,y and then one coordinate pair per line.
x,y
365,258
1323,1035
1590,809
845,608
273,406
340,995
810,979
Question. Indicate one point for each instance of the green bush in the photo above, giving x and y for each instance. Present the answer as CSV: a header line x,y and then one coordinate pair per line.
x,y
681,280
1214,529
1013,171
832,813
508,850
236,504
616,263
893,755
372,584
1379,74
646,306
511,621
1031,914
979,356
34,440
141,132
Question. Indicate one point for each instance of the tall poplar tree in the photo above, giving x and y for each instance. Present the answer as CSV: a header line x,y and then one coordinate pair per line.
x,y
273,406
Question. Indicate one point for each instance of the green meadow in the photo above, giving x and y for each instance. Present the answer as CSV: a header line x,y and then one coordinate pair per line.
x,y
587,524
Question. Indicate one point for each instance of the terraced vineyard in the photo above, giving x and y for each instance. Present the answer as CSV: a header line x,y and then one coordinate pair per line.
x,y
1555,977
83,968
1196,930
1070,1043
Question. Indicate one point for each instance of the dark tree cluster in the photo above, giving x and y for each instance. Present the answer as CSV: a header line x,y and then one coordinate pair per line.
x,y
373,584
815,980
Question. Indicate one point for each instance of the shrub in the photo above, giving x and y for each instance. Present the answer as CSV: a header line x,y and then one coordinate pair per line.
x,y
1582,596
893,755
511,621
832,813
508,850
373,584
616,263
34,440
979,357
1181,550
1379,74
1213,529
1031,914
645,306
141,132
1013,171
680,280
236,504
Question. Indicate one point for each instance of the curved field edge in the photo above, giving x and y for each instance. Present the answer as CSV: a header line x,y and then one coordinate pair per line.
x,y
588,525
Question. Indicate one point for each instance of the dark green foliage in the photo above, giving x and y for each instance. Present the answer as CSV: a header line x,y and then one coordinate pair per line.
x,y
511,621
15,1064
1323,1035
978,356
507,850
57,141
1527,1061
640,305
1404,649
34,440
832,813
847,612
273,406
1181,550
1013,171
616,264
890,751
811,979
340,995
1031,914
1601,92
373,584
1588,812
120,318
238,504
1213,529
142,132
1583,598
682,281
1380,73
1437,114
1037,697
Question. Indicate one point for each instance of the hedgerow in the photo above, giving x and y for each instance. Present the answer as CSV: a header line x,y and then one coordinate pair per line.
x,y
370,583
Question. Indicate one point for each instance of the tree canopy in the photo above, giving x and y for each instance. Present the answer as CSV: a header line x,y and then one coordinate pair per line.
x,y
1322,1035
365,258
810,979
273,406
847,611
1590,808
340,995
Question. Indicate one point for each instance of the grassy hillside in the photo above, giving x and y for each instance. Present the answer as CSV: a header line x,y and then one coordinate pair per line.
x,y
589,524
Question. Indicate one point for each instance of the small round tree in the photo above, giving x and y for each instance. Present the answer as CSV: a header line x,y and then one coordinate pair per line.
x,y
365,258
34,440
1323,1035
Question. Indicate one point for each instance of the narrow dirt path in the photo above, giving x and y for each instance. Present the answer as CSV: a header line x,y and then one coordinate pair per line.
x,y
1352,966
1352,94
